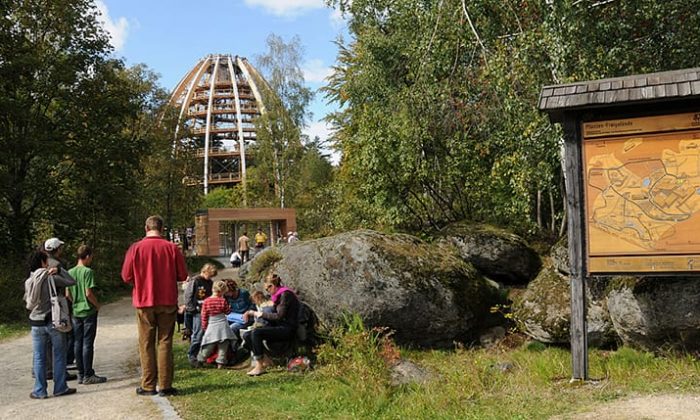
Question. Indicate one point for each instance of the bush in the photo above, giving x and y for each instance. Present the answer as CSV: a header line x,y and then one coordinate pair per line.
x,y
262,263
12,276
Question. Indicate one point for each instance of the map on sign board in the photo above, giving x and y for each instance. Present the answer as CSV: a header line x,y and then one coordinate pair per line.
x,y
642,198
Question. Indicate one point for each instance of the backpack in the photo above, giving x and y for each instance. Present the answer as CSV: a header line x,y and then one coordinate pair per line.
x,y
32,289
306,331
59,309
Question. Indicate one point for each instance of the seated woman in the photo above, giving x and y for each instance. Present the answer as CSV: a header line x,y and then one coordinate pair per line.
x,y
283,322
239,301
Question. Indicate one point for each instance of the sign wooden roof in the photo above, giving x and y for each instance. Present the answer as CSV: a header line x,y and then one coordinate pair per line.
x,y
668,85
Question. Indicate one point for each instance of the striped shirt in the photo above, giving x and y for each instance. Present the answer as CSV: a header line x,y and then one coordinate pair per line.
x,y
213,305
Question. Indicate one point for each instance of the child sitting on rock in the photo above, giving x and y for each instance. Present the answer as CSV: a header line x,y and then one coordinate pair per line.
x,y
217,334
262,305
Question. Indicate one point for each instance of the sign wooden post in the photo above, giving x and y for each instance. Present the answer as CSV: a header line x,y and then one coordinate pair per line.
x,y
632,172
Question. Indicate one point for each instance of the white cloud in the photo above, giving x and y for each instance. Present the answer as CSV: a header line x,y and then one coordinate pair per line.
x,y
118,30
323,131
315,71
286,7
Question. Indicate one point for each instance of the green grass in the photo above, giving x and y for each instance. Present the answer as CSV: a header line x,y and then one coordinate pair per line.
x,y
13,330
352,381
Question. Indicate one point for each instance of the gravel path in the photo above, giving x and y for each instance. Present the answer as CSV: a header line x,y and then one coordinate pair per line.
x,y
116,357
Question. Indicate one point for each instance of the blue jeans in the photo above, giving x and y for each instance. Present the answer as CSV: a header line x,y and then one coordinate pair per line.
x,y
41,336
85,331
197,334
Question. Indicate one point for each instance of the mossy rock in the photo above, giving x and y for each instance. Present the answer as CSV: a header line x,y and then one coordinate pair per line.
x,y
543,311
497,253
424,292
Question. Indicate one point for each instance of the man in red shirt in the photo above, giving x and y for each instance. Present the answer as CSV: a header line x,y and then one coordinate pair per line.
x,y
154,266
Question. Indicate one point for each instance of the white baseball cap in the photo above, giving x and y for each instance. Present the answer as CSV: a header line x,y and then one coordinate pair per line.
x,y
52,244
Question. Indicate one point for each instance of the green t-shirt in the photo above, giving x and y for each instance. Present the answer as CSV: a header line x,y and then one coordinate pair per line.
x,y
84,279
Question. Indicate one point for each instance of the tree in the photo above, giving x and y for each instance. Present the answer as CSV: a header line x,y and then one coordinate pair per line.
x,y
438,117
47,52
286,98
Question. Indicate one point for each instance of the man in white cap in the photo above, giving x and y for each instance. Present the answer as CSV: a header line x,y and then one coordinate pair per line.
x,y
54,247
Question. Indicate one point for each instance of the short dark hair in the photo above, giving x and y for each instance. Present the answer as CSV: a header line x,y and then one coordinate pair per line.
x,y
154,223
37,259
84,251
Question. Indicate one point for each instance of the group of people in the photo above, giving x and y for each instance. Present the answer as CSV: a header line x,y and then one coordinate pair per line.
x,y
242,255
53,350
224,317
221,314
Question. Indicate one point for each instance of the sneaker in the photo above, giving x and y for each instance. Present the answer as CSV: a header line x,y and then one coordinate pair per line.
x,y
167,392
71,376
72,366
143,392
37,397
94,379
68,391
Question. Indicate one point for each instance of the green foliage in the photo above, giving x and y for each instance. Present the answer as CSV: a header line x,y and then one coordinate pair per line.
x,y
12,276
439,119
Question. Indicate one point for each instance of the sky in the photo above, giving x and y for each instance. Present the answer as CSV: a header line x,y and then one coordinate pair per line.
x,y
170,36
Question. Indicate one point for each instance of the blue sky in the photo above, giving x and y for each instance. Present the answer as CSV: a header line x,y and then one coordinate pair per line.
x,y
170,36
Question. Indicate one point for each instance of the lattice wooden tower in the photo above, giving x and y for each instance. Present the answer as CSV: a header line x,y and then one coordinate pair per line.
x,y
218,100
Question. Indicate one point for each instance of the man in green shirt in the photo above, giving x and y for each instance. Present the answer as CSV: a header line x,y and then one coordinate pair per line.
x,y
85,307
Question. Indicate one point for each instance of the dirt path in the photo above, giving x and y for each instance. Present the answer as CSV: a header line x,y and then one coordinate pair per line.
x,y
116,357
661,407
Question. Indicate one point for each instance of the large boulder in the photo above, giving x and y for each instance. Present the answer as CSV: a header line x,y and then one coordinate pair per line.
x,y
655,313
544,310
425,293
496,253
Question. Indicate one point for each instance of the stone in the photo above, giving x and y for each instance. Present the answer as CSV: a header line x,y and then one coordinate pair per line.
x,y
424,292
498,254
653,313
543,311
406,372
559,255
492,336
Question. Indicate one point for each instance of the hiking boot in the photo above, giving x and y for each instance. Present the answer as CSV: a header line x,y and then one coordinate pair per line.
x,y
68,391
167,392
94,379
145,392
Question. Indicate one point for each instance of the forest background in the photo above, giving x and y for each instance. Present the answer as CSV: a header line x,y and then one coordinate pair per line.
x,y
438,122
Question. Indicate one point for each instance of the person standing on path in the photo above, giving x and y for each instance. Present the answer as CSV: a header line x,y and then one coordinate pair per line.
x,y
198,289
54,250
260,240
244,247
38,301
154,266
85,308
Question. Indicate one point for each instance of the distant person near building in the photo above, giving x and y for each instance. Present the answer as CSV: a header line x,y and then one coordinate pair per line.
x,y
154,266
85,308
292,237
244,247
260,240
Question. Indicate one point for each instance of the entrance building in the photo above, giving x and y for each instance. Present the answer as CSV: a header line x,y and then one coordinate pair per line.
x,y
217,230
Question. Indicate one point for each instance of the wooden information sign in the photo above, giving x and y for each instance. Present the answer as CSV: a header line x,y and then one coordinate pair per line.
x,y
642,194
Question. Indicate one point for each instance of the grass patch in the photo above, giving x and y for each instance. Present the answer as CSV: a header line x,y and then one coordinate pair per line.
x,y
12,330
352,381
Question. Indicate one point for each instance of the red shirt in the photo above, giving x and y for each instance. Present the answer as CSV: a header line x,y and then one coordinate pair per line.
x,y
213,305
154,266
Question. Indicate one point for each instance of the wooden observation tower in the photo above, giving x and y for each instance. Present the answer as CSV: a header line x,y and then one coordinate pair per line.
x,y
218,100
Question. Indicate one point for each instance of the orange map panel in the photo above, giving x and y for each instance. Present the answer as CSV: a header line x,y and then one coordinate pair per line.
x,y
642,196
